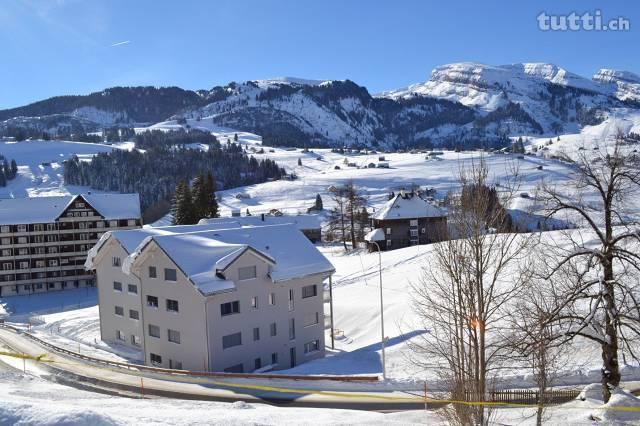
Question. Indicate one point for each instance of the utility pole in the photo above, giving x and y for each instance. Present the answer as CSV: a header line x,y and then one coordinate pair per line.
x,y
384,365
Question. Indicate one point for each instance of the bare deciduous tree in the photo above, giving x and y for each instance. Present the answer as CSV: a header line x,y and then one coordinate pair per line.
x,y
465,291
599,293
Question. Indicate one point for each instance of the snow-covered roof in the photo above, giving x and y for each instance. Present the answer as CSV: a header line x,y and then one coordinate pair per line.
x,y
375,235
130,239
407,206
204,253
15,211
302,221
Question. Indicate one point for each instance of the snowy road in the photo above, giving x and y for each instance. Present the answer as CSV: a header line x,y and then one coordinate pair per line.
x,y
277,392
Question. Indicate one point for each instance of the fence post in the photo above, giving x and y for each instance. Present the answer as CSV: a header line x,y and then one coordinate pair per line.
x,y
425,395
141,386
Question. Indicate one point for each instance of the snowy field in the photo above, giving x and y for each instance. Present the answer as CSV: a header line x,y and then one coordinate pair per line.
x,y
40,165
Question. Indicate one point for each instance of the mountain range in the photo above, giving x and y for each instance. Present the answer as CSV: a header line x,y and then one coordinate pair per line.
x,y
466,104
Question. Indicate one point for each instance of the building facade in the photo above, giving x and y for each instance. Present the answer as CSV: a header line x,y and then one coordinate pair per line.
x,y
406,220
234,300
44,240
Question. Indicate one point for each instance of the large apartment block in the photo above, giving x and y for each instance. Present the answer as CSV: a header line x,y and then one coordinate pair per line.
x,y
213,297
44,240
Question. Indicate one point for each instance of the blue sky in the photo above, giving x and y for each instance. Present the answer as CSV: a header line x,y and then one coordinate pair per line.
x,y
58,47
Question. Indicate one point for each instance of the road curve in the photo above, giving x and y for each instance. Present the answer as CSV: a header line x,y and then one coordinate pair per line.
x,y
318,394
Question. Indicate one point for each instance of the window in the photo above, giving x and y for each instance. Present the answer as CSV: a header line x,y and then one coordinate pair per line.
x,y
79,205
231,340
53,249
156,359
117,286
257,363
51,226
170,274
53,262
133,314
274,358
24,265
4,228
119,311
82,225
115,261
254,302
23,251
312,346
152,272
312,318
38,227
120,336
388,231
154,331
173,336
85,237
290,299
22,228
39,250
6,241
152,301
38,286
99,224
238,368
413,222
292,329
388,243
272,299
135,340
26,287
172,305
247,273
273,329
230,308
113,223
40,263
131,222
413,232
132,288
23,240
176,365
309,291
6,252
7,266
256,334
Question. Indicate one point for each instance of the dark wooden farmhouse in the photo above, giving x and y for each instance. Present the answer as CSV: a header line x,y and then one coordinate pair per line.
x,y
406,220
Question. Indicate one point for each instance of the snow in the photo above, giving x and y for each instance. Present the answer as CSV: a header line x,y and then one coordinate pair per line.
x,y
31,400
375,235
408,206
301,221
201,255
40,165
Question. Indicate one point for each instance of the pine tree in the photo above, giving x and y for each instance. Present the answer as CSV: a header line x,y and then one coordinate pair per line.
x,y
235,137
200,197
318,205
299,161
212,204
185,214
3,180
14,169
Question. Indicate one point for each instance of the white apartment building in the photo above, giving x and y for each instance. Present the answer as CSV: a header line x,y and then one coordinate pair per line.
x,y
213,297
44,240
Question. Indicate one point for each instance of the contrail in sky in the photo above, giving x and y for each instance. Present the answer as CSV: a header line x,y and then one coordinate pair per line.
x,y
121,43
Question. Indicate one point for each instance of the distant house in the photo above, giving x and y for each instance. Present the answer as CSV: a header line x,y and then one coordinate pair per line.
x,y
406,220
309,224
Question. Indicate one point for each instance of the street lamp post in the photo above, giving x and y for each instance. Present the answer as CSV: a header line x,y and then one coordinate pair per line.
x,y
384,365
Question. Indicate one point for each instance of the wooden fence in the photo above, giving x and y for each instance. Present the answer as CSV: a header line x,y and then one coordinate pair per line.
x,y
525,396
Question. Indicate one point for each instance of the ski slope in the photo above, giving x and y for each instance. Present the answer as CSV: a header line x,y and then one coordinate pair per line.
x,y
40,165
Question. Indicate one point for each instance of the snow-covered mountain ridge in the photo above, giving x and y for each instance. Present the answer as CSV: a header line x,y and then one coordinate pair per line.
x,y
464,103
